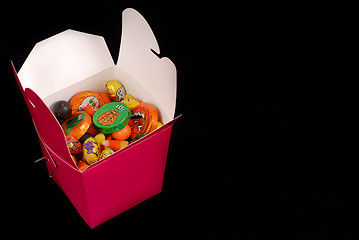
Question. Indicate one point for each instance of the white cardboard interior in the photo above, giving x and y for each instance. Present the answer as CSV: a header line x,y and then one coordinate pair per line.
x,y
61,66
63,60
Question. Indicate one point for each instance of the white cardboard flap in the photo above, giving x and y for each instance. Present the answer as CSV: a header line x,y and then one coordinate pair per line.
x,y
63,60
157,75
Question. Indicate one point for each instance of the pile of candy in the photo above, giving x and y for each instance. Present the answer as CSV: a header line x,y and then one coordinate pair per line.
x,y
98,124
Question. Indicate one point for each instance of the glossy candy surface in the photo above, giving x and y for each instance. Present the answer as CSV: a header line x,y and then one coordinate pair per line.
x,y
115,90
144,120
77,125
85,98
91,151
106,152
131,103
73,144
62,109
111,117
115,145
123,134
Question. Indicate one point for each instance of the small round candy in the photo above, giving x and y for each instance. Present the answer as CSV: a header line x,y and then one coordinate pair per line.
x,y
115,90
85,98
73,144
100,138
62,109
123,134
111,117
91,151
77,125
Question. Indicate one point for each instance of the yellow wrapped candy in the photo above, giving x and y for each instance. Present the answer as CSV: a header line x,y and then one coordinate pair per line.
x,y
91,151
115,90
128,96
131,103
106,152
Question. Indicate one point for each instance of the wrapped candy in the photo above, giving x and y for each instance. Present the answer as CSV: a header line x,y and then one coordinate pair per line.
x,y
106,152
84,99
91,151
144,120
131,103
115,90
93,114
77,124
73,144
111,117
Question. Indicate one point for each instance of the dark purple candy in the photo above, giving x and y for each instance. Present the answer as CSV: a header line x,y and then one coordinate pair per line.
x,y
62,109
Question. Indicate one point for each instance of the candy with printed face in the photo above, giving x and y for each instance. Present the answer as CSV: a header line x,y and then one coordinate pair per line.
x,y
73,144
115,90
144,120
91,151
77,124
84,99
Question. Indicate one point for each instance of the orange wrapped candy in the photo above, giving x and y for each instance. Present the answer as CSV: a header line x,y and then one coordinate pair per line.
x,y
84,99
105,97
90,110
73,144
77,124
144,119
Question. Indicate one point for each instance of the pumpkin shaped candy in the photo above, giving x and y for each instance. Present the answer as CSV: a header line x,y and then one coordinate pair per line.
x,y
143,121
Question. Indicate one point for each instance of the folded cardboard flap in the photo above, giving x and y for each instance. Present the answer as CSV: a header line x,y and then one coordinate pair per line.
x,y
69,57
69,62
158,75
47,127
62,60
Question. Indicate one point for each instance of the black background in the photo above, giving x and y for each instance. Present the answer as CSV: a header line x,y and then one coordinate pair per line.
x,y
268,142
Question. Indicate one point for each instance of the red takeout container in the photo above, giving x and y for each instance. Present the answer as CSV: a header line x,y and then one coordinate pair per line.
x,y
61,66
